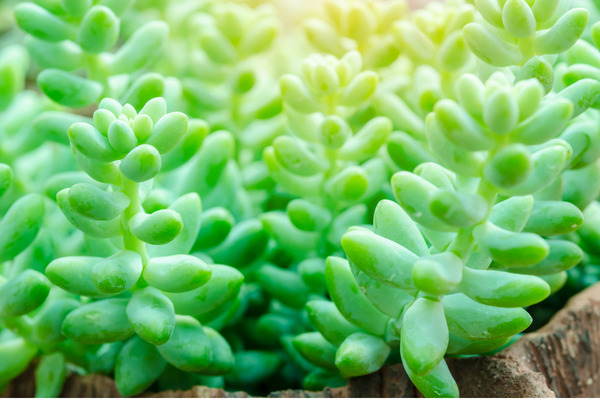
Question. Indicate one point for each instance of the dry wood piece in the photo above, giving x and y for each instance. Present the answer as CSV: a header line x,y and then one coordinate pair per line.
x,y
90,386
560,360
567,350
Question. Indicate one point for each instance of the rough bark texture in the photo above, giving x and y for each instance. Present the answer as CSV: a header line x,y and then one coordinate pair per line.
x,y
560,360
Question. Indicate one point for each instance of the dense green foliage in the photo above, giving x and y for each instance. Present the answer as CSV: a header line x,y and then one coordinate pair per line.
x,y
263,195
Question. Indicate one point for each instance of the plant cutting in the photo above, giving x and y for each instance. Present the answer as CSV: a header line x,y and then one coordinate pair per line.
x,y
207,193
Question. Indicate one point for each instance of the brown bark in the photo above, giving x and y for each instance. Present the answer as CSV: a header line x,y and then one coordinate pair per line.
x,y
560,360
567,350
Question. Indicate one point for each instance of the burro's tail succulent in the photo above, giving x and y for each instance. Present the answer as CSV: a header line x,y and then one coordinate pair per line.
x,y
145,290
189,195
447,269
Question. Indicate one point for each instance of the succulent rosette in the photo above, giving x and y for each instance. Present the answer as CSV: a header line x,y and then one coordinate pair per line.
x,y
260,195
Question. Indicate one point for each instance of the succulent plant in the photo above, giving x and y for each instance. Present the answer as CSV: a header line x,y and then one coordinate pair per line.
x,y
259,195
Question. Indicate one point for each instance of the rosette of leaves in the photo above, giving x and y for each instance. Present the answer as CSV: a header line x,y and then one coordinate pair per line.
x,y
494,178
74,43
358,25
329,165
327,168
480,239
433,56
515,32
222,82
146,291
